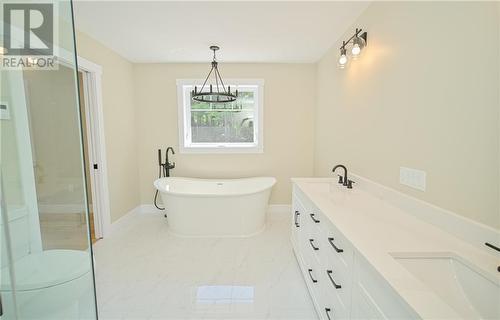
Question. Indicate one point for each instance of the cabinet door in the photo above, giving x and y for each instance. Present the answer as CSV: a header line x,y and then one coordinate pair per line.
x,y
337,277
374,298
363,305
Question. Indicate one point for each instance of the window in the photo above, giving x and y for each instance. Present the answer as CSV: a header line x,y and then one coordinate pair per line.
x,y
234,127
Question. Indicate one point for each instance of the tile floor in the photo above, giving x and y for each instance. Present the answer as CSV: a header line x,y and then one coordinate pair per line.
x,y
64,231
143,272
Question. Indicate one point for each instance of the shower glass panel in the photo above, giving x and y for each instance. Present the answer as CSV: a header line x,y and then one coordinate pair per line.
x,y
46,255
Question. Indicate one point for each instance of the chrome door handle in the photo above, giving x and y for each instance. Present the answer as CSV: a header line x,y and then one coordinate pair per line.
x,y
312,217
296,217
312,244
329,273
327,311
334,246
310,275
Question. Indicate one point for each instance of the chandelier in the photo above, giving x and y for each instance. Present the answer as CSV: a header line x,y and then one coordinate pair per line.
x,y
219,94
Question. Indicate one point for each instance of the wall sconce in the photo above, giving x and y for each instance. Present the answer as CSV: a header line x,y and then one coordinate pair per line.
x,y
356,43
343,57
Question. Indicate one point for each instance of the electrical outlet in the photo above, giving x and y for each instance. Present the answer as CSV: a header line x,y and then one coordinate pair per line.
x,y
412,178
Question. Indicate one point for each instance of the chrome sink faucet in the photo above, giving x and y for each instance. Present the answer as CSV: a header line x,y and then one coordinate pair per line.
x,y
343,179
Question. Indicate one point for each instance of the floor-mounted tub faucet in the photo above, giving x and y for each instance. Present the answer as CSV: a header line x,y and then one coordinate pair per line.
x,y
164,170
167,165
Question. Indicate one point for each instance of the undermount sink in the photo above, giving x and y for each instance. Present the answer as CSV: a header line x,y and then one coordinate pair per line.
x,y
467,290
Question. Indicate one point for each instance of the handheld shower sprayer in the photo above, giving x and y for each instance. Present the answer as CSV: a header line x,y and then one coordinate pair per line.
x,y
163,170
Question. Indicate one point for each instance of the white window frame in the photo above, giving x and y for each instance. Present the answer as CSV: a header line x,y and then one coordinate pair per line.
x,y
184,118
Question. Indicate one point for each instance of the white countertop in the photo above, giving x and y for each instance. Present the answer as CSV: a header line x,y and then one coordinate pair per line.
x,y
378,229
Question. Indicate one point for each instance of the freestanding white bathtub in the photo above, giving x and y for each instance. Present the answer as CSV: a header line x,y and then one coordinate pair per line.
x,y
215,207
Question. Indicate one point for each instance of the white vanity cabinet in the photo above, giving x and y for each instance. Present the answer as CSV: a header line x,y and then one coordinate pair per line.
x,y
373,298
342,284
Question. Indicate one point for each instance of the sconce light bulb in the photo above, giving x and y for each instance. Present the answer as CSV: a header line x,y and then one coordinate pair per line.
x,y
3,51
343,59
356,50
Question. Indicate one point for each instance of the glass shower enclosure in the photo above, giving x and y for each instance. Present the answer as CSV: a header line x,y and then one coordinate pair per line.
x,y
46,253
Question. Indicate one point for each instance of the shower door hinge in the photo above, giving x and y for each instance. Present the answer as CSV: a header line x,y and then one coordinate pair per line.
x,y
95,166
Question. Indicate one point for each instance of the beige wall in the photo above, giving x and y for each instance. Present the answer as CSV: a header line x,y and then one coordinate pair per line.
x,y
288,125
9,145
119,124
423,95
53,112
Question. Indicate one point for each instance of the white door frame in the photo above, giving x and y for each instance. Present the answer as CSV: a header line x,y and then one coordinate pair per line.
x,y
95,132
92,89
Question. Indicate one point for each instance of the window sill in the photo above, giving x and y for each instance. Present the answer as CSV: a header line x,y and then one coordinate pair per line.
x,y
221,150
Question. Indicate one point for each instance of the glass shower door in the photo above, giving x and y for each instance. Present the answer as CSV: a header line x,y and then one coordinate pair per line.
x,y
46,255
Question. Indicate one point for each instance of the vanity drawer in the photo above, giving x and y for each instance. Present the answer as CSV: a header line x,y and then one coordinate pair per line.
x,y
330,306
298,213
335,283
314,280
300,220
309,228
304,212
338,249
334,308
308,243
339,283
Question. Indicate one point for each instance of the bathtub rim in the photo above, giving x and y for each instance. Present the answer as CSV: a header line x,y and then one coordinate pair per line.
x,y
211,195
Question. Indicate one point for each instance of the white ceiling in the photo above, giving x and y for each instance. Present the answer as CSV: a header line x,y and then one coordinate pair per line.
x,y
182,31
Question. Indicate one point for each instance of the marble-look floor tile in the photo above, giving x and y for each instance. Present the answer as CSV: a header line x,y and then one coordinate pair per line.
x,y
144,272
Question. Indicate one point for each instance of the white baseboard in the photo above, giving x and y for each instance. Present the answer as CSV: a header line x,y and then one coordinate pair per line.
x,y
279,208
123,221
278,211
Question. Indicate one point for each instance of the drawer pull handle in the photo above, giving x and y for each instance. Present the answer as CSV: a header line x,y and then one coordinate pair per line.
x,y
337,286
296,218
311,241
334,246
492,246
327,311
312,217
310,275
